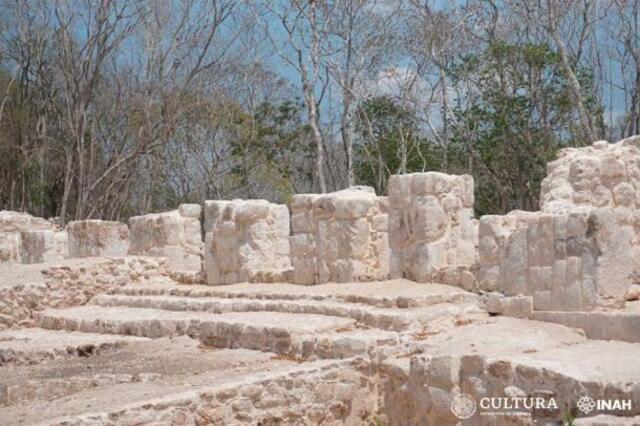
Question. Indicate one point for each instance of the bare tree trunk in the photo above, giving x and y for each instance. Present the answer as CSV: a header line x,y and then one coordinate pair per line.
x,y
574,84
68,177
345,132
445,119
317,137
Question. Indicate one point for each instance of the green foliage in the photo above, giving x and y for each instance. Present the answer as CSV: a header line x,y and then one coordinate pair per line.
x,y
517,112
385,128
518,115
272,145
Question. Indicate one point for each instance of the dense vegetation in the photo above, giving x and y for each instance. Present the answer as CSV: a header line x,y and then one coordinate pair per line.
x,y
114,108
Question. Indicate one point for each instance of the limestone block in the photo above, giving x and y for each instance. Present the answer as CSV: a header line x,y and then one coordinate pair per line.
x,y
88,238
248,240
517,306
432,231
175,235
565,261
19,221
43,246
9,247
190,210
212,212
340,236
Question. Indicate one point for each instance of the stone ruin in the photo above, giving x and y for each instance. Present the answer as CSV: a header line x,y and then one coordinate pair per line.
x,y
581,251
433,232
97,238
339,237
602,175
28,239
246,240
408,301
174,235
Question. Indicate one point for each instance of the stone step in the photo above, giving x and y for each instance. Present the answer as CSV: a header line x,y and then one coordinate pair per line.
x,y
295,335
603,324
484,360
383,318
31,346
397,293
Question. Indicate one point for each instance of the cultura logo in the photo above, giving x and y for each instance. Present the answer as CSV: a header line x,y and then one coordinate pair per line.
x,y
463,406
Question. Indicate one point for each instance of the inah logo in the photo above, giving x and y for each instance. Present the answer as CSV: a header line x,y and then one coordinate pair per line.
x,y
586,404
463,406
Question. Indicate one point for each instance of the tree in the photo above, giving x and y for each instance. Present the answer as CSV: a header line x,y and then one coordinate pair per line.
x,y
521,111
390,143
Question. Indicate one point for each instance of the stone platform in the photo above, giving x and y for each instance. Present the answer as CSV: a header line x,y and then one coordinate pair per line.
x,y
357,353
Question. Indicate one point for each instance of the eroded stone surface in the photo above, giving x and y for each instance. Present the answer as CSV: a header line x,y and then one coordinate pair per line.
x,y
339,237
11,221
43,246
97,238
176,235
69,283
601,175
246,240
432,230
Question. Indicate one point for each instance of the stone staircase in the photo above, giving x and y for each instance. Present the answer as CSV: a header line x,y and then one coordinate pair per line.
x,y
258,317
385,352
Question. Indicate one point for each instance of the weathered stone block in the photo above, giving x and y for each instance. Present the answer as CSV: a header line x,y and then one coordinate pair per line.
x,y
247,240
9,247
43,246
175,235
342,236
97,238
431,226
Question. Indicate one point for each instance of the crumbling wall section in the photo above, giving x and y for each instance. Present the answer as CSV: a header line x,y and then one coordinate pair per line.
x,y
39,246
89,238
601,175
71,283
176,235
566,262
339,237
582,250
246,240
432,231
29,239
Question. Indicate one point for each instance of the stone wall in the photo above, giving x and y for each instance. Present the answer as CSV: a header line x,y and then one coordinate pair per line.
x,y
88,238
339,237
43,246
432,231
176,235
9,247
333,393
566,262
422,393
70,283
27,239
582,251
11,221
246,240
